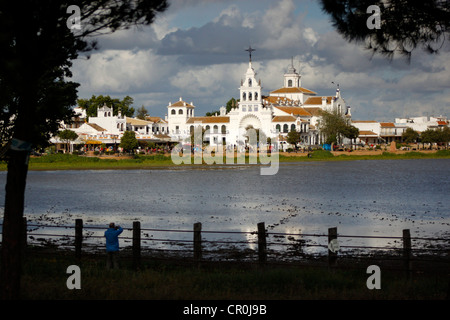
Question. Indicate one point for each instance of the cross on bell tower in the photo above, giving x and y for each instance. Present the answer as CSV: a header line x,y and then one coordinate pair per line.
x,y
250,50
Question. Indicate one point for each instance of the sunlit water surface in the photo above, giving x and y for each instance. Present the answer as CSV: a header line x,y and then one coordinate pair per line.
x,y
379,197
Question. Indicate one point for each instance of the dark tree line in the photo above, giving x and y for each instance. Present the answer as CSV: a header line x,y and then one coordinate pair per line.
x,y
403,25
38,45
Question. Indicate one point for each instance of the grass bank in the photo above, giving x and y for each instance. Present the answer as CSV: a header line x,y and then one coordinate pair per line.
x,y
75,162
322,155
44,277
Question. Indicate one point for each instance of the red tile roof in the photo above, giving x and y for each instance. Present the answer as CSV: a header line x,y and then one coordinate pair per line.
x,y
296,111
181,104
317,100
218,119
367,133
293,90
283,119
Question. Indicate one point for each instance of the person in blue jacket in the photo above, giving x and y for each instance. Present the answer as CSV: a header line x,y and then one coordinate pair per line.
x,y
112,245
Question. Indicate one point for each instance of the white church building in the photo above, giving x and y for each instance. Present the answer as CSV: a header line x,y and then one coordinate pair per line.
x,y
291,107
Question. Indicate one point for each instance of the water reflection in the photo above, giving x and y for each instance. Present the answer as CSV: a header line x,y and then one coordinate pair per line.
x,y
359,197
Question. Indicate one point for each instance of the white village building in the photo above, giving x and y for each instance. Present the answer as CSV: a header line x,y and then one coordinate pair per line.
x,y
107,128
291,107
373,132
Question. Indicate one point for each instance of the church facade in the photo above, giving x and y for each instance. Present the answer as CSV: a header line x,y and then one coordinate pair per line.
x,y
288,108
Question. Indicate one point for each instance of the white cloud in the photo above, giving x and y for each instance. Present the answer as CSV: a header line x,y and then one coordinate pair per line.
x,y
129,39
121,71
209,81
161,27
229,17
310,35
278,17
205,61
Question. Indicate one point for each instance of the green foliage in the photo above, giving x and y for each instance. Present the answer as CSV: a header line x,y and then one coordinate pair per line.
x,y
331,139
153,157
293,137
334,125
424,26
232,103
388,154
141,113
443,153
128,141
62,158
35,93
321,154
91,105
350,132
435,136
410,135
157,280
67,135
37,48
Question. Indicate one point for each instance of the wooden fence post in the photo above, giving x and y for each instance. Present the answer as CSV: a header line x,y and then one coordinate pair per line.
x,y
332,254
24,238
197,241
136,244
78,237
24,235
407,252
262,244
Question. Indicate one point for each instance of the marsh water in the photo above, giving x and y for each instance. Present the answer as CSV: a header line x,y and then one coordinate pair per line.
x,y
367,197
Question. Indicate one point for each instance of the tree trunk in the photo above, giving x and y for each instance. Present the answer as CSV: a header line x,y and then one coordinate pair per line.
x,y
13,224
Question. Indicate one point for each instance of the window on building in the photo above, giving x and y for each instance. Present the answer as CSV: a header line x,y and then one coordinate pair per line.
x,y
285,128
292,127
224,129
278,128
289,83
256,95
244,96
249,82
216,129
180,111
173,111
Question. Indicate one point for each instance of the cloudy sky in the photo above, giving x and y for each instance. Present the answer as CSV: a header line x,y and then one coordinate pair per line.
x,y
196,50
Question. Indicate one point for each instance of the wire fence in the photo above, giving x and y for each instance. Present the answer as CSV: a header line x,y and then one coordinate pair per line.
x,y
259,246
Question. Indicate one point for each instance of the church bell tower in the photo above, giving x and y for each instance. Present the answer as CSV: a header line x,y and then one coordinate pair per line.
x,y
250,90
291,77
